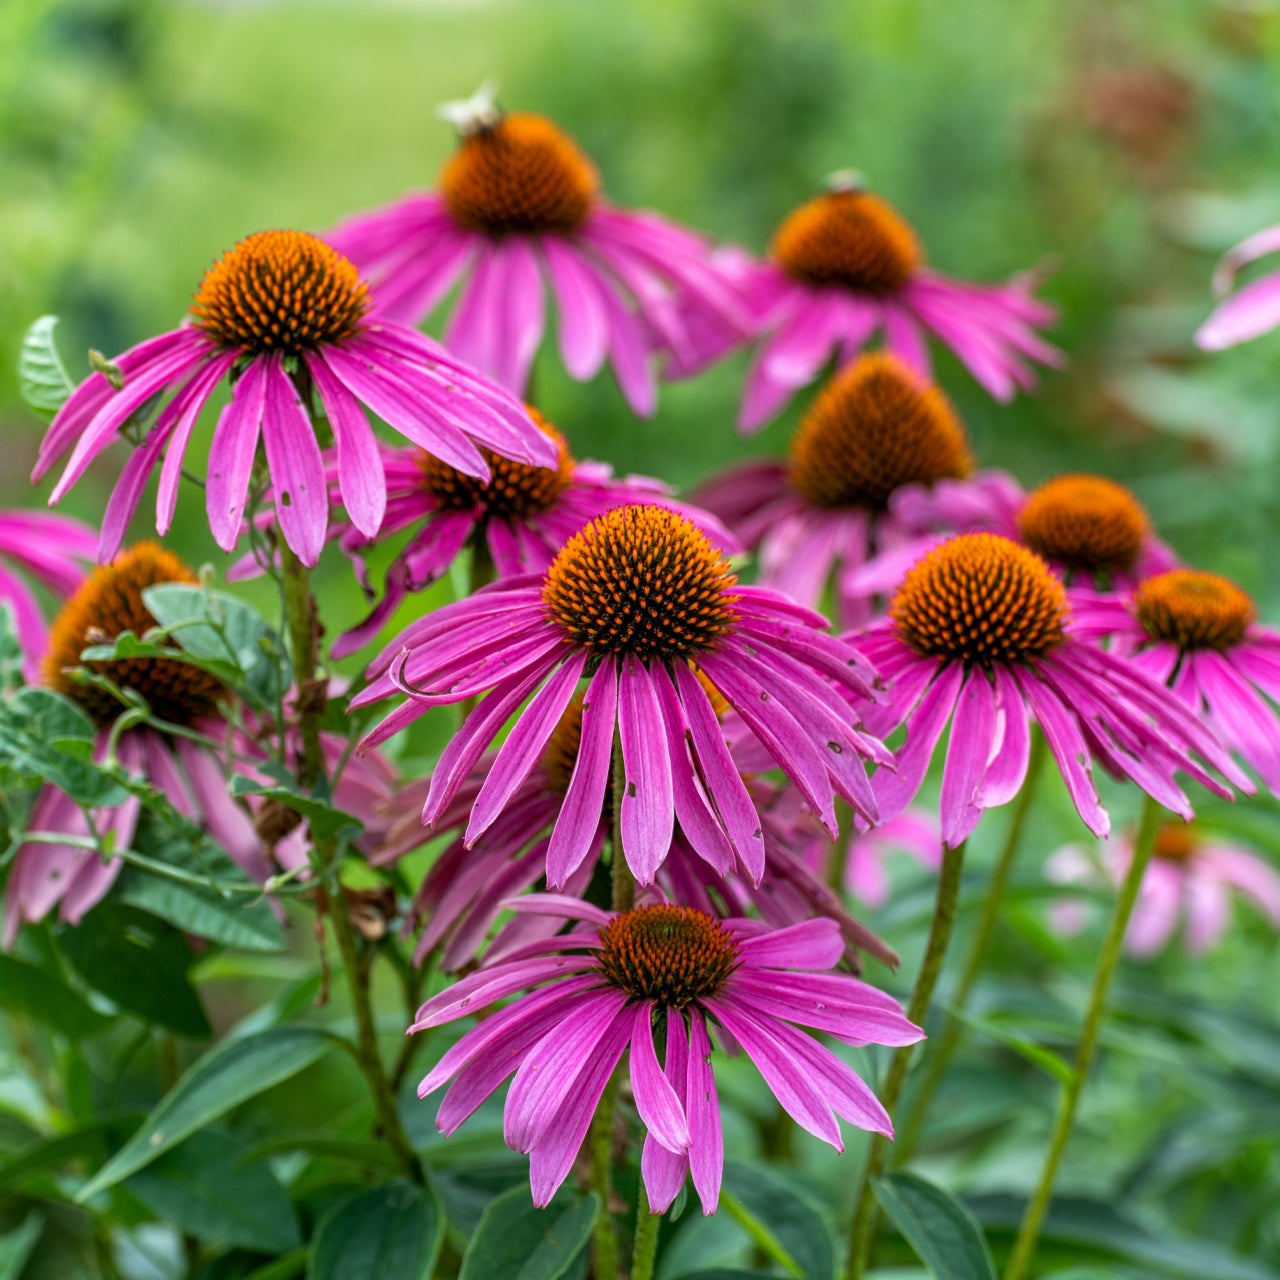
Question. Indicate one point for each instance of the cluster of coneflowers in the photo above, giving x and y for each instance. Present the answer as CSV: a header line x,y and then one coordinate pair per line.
x,y
664,775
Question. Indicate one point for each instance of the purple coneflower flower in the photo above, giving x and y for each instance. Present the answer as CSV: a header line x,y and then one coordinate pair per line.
x,y
874,431
846,264
632,602
1091,530
283,315
1198,633
659,973
466,889
1191,877
53,549
518,202
520,517
1253,311
980,633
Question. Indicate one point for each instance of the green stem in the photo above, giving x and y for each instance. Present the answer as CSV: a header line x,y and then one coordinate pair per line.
x,y
301,621
605,1241
935,951
939,1050
1112,945
646,1248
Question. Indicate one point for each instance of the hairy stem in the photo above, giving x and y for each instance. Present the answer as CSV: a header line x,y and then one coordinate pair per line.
x,y
1024,1246
939,1050
944,915
646,1247
301,621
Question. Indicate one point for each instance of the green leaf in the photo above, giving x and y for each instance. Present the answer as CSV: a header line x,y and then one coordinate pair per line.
x,y
208,1189
944,1234
517,1240
226,1076
140,964
214,625
17,1246
10,649
42,380
221,912
1034,1053
780,1220
127,646
390,1233
44,734
32,992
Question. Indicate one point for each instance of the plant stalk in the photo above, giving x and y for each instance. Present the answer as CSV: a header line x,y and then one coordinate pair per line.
x,y
646,1247
993,899
1112,945
944,915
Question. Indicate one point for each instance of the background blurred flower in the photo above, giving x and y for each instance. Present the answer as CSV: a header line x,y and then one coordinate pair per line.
x,y
1190,880
1255,309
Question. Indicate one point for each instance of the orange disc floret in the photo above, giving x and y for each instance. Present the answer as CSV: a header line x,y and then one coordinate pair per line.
x,y
642,580
522,174
108,603
514,489
1087,523
1175,841
848,238
666,953
1194,609
980,598
283,291
875,427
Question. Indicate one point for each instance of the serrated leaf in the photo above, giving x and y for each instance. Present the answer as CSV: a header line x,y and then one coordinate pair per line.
x,y
390,1233
140,964
126,645
32,992
42,379
941,1231
514,1239
325,820
780,1220
226,1076
46,735
208,1189
11,656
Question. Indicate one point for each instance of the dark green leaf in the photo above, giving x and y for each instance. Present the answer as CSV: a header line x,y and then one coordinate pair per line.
x,y
1043,1058
780,1220
939,1228
516,1240
391,1233
226,1076
140,964
11,657
127,646
221,914
42,380
17,1246
207,1189
45,734
31,992
325,820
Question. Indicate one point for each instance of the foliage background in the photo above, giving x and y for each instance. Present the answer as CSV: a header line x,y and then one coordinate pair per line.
x,y
1118,145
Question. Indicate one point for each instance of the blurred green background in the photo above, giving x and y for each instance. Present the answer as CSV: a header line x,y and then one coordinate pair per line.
x,y
1120,145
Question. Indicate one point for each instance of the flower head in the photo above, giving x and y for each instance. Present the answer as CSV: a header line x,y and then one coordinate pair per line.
x,y
50,548
845,264
1199,633
284,317
632,602
875,430
659,975
522,515
1191,879
519,201
982,633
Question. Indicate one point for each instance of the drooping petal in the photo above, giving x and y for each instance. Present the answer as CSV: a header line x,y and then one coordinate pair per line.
x,y
231,455
648,803
297,470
